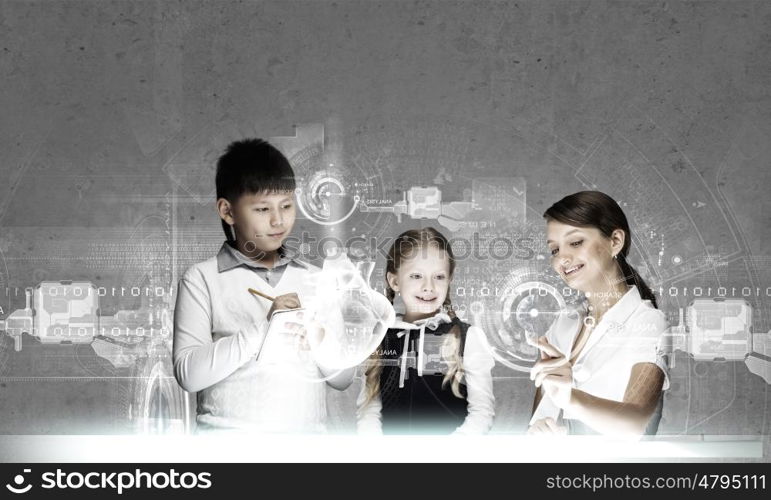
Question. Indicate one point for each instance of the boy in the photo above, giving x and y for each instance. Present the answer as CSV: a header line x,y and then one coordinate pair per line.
x,y
246,380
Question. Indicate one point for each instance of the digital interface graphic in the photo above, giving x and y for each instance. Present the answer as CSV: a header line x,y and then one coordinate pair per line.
x,y
122,334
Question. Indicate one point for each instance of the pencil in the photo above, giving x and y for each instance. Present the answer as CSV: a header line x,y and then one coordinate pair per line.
x,y
263,295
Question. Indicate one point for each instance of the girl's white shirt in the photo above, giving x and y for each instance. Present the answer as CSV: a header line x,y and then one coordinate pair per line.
x,y
478,363
630,332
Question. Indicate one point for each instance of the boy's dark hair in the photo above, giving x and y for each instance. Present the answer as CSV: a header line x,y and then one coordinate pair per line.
x,y
251,166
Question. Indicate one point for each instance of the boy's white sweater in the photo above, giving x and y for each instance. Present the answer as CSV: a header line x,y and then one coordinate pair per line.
x,y
243,380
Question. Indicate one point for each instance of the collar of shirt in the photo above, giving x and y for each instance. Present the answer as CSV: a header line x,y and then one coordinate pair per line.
x,y
613,319
431,323
623,309
229,258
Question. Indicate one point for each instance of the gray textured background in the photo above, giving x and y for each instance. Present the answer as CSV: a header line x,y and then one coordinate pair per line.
x,y
112,109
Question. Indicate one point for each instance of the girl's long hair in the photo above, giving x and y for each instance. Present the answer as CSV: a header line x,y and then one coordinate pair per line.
x,y
598,210
405,247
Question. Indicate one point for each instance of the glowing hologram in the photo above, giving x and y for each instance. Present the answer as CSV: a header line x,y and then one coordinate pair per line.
x,y
317,205
488,196
719,329
159,405
532,307
523,309
354,316
327,192
66,311
59,312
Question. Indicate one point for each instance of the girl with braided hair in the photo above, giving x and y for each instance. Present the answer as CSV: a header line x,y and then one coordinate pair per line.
x,y
432,372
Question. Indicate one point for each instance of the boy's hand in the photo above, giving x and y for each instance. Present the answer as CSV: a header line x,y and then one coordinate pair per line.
x,y
286,301
308,333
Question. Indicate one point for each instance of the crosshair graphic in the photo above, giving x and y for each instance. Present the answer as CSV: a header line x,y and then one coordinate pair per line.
x,y
325,197
526,303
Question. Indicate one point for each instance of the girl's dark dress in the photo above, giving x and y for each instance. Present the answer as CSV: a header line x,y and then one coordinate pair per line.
x,y
422,406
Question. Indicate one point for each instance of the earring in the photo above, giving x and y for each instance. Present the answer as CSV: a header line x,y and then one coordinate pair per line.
x,y
615,257
233,232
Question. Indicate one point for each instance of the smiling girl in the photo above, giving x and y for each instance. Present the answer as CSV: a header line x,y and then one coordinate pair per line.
x,y
431,374
601,369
